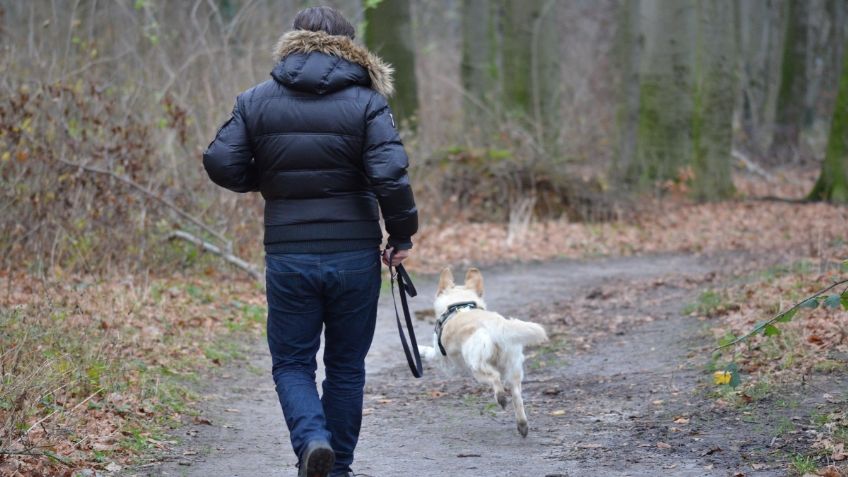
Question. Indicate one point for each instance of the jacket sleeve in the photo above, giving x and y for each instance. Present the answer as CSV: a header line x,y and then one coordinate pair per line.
x,y
229,160
385,164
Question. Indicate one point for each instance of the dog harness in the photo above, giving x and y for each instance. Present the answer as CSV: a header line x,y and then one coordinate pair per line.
x,y
447,315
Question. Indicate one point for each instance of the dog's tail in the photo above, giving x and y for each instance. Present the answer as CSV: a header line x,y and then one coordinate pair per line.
x,y
524,333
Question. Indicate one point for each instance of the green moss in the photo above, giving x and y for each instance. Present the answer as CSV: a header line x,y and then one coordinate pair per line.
x,y
832,184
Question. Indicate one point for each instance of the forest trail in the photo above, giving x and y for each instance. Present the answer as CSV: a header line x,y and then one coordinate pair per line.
x,y
627,405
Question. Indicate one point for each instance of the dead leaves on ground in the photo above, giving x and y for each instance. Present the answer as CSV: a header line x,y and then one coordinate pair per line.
x,y
665,227
104,351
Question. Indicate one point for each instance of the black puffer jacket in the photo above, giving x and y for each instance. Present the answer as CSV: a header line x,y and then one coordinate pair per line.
x,y
319,142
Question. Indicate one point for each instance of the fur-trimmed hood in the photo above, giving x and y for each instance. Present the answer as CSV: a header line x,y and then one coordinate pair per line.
x,y
305,42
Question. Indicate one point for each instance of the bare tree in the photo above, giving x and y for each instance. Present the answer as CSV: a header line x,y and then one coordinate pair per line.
x,y
388,31
832,184
793,82
715,94
665,100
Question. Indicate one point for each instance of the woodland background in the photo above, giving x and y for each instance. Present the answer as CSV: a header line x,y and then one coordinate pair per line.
x,y
536,129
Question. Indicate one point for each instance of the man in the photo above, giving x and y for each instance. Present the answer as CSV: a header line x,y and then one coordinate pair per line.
x,y
319,142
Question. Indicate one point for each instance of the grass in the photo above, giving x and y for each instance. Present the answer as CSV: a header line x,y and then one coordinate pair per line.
x,y
484,403
548,354
801,267
783,426
708,303
99,372
802,464
828,366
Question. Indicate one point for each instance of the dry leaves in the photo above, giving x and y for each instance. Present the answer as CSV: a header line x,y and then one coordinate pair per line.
x,y
665,227
101,360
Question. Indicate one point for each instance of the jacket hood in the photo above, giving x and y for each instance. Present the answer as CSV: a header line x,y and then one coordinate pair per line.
x,y
318,62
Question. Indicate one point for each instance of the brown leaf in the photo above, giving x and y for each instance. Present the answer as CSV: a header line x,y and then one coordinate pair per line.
x,y
711,451
838,453
830,471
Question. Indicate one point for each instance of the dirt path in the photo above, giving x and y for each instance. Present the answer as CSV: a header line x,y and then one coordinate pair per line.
x,y
620,394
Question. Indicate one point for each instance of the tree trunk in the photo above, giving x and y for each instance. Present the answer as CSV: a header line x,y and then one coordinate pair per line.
x,y
531,78
714,98
832,184
665,99
388,32
793,79
480,67
627,51
760,38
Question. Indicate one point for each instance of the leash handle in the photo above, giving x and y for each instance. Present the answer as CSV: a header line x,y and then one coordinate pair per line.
x,y
405,287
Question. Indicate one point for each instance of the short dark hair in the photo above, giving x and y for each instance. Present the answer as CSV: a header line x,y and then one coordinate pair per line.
x,y
324,19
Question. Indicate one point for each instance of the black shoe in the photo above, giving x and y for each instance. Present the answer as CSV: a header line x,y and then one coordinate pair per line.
x,y
317,460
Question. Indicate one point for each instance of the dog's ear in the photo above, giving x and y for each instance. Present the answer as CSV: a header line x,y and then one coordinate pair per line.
x,y
445,281
474,281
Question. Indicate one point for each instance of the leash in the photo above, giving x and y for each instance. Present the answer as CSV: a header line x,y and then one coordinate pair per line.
x,y
405,287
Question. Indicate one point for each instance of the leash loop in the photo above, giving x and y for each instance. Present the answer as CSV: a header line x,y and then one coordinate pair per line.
x,y
405,287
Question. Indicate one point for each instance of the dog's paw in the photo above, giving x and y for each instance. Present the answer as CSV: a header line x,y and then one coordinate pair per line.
x,y
523,428
501,397
427,352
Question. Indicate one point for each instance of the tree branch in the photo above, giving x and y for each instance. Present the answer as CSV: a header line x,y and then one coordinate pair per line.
x,y
149,193
776,317
51,455
228,256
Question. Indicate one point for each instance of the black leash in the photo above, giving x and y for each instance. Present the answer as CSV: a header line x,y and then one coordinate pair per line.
x,y
405,287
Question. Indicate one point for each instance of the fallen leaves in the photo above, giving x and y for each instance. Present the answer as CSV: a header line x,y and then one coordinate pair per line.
x,y
838,452
113,346
667,226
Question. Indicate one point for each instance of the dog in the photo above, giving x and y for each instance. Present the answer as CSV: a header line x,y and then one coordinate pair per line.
x,y
470,337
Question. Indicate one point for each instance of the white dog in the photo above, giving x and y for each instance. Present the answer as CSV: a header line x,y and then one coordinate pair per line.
x,y
481,341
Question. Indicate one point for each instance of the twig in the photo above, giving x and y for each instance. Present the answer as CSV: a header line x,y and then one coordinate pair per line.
x,y
144,190
751,165
95,393
772,198
776,317
229,257
51,455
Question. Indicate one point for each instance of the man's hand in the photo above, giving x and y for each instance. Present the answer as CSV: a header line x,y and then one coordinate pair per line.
x,y
397,259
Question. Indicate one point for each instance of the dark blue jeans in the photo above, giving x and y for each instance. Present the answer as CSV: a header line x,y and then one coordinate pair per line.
x,y
339,292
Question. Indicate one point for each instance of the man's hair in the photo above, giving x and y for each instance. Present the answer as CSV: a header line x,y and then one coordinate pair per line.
x,y
324,19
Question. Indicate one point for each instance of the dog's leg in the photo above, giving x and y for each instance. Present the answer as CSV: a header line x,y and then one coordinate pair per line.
x,y
518,404
477,352
489,375
513,378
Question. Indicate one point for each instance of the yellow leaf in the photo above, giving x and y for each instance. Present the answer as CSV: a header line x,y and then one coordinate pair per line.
x,y
558,412
6,156
722,377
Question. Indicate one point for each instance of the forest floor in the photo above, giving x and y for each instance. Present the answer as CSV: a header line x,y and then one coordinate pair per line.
x,y
623,388
166,373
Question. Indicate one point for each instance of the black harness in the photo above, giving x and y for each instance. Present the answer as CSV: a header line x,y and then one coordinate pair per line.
x,y
447,315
